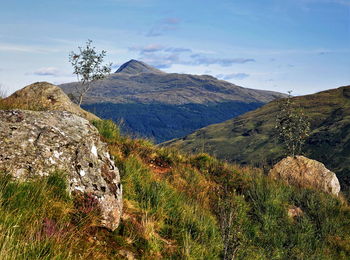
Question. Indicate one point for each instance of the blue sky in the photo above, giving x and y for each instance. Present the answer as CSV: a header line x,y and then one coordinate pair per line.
x,y
281,45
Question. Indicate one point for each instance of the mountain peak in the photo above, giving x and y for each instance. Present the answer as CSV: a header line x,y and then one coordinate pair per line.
x,y
136,67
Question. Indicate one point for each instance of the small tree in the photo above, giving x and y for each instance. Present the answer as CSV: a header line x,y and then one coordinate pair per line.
x,y
88,67
292,126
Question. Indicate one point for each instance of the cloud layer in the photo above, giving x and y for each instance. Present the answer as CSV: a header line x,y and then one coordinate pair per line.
x,y
163,57
48,71
233,76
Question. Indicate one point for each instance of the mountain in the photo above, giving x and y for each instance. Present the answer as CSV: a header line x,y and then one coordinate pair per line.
x,y
251,138
164,106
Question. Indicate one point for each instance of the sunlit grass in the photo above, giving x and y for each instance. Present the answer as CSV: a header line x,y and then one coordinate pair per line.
x,y
176,206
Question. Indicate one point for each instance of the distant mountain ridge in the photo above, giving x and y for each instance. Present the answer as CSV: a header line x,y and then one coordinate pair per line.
x,y
163,106
138,82
251,137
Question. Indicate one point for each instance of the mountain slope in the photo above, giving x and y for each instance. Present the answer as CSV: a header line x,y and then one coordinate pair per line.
x,y
251,138
142,95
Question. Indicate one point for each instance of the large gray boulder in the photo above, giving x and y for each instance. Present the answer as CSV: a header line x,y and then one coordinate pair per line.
x,y
39,143
304,172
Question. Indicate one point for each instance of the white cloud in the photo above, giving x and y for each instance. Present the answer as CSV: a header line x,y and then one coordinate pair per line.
x,y
164,57
48,71
148,48
233,76
25,48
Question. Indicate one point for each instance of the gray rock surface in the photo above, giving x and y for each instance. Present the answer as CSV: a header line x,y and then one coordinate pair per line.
x,y
38,143
304,172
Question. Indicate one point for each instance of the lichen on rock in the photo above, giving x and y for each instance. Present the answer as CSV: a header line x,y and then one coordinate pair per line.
x,y
39,143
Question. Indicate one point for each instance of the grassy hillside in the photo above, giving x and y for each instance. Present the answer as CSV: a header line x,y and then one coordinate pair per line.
x,y
176,207
251,138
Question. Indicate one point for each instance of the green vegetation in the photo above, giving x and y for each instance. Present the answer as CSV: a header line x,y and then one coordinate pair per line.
x,y
169,189
176,206
107,129
292,126
36,221
251,139
262,228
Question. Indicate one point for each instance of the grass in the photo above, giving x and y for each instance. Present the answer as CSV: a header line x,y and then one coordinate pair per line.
x,y
251,139
268,228
176,206
36,220
8,104
107,129
159,181
175,219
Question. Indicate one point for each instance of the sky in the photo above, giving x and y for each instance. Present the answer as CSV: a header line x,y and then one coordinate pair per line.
x,y
279,45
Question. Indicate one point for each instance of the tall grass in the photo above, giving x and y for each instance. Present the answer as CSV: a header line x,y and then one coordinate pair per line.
x,y
176,206
36,221
9,104
108,130
178,221
33,219
322,231
256,206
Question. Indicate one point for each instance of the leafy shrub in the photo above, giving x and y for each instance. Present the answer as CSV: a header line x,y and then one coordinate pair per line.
x,y
292,126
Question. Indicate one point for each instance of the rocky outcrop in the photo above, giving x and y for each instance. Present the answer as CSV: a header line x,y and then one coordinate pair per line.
x,y
303,172
45,96
39,143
